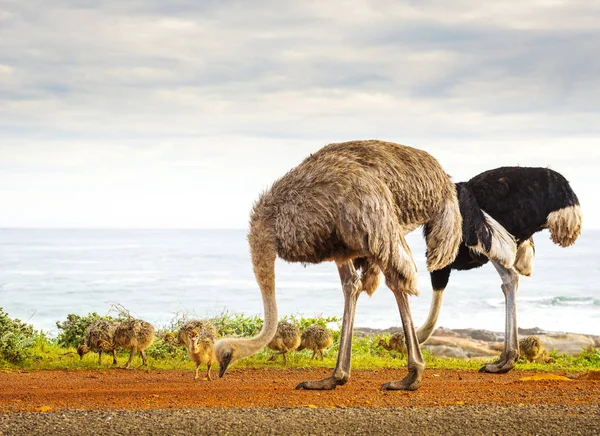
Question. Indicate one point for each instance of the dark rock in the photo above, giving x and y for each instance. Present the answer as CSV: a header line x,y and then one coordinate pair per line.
x,y
481,335
531,331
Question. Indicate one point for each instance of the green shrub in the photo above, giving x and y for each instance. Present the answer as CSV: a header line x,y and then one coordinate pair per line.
x,y
73,329
162,349
16,339
237,324
304,323
590,357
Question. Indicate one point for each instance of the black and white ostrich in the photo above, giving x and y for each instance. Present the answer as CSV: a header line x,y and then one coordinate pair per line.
x,y
502,209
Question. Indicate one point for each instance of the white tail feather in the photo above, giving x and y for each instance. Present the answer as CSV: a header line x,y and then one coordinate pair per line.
x,y
504,247
525,256
565,225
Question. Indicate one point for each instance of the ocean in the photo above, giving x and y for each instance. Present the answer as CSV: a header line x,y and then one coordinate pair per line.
x,y
46,274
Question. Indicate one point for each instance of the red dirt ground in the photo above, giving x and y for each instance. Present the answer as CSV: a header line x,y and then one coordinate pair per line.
x,y
174,389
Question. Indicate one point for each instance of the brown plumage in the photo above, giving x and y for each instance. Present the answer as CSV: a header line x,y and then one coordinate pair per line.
x,y
201,348
357,200
352,203
98,338
287,338
134,335
531,348
316,338
396,343
202,327
199,337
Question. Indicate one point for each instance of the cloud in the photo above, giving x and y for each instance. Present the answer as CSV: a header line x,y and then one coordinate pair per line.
x,y
148,96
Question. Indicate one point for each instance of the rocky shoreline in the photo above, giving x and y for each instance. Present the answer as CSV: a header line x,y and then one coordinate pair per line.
x,y
478,343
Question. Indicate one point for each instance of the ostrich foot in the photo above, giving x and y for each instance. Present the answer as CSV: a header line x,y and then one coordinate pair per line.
x,y
326,384
505,363
411,382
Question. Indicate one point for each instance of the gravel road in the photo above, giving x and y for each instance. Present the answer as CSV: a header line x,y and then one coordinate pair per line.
x,y
452,420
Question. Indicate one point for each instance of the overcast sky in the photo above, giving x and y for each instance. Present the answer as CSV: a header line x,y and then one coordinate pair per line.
x,y
177,114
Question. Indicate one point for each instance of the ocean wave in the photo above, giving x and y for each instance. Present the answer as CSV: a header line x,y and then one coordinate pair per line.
x,y
570,301
558,301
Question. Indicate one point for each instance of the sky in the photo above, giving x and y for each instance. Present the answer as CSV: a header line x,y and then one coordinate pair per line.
x,y
153,114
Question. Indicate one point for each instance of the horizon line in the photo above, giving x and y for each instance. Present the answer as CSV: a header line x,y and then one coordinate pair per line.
x,y
115,228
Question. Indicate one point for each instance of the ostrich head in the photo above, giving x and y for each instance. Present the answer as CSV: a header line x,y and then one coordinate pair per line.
x,y
230,350
193,339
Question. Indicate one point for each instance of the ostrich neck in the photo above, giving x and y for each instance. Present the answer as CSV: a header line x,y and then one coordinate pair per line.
x,y
253,345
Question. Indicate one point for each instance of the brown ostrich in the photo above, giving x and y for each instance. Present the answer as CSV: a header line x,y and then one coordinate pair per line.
x,y
287,338
352,203
316,338
396,343
134,335
97,336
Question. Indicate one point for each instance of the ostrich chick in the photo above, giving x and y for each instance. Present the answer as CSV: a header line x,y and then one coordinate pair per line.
x,y
396,343
316,338
99,337
201,349
134,335
287,338
531,348
199,326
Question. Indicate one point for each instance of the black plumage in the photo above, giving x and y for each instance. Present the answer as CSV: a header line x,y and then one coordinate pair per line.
x,y
520,199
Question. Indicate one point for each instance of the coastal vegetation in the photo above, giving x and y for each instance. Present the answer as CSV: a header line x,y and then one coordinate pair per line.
x,y
22,347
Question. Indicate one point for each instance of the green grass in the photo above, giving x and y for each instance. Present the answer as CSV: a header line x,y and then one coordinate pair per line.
x,y
45,353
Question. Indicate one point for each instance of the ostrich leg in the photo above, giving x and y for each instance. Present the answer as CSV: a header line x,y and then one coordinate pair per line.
x,y
352,287
415,360
273,356
130,358
510,354
426,330
439,281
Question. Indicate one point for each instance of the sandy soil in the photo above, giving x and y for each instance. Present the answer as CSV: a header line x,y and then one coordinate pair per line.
x,y
114,389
